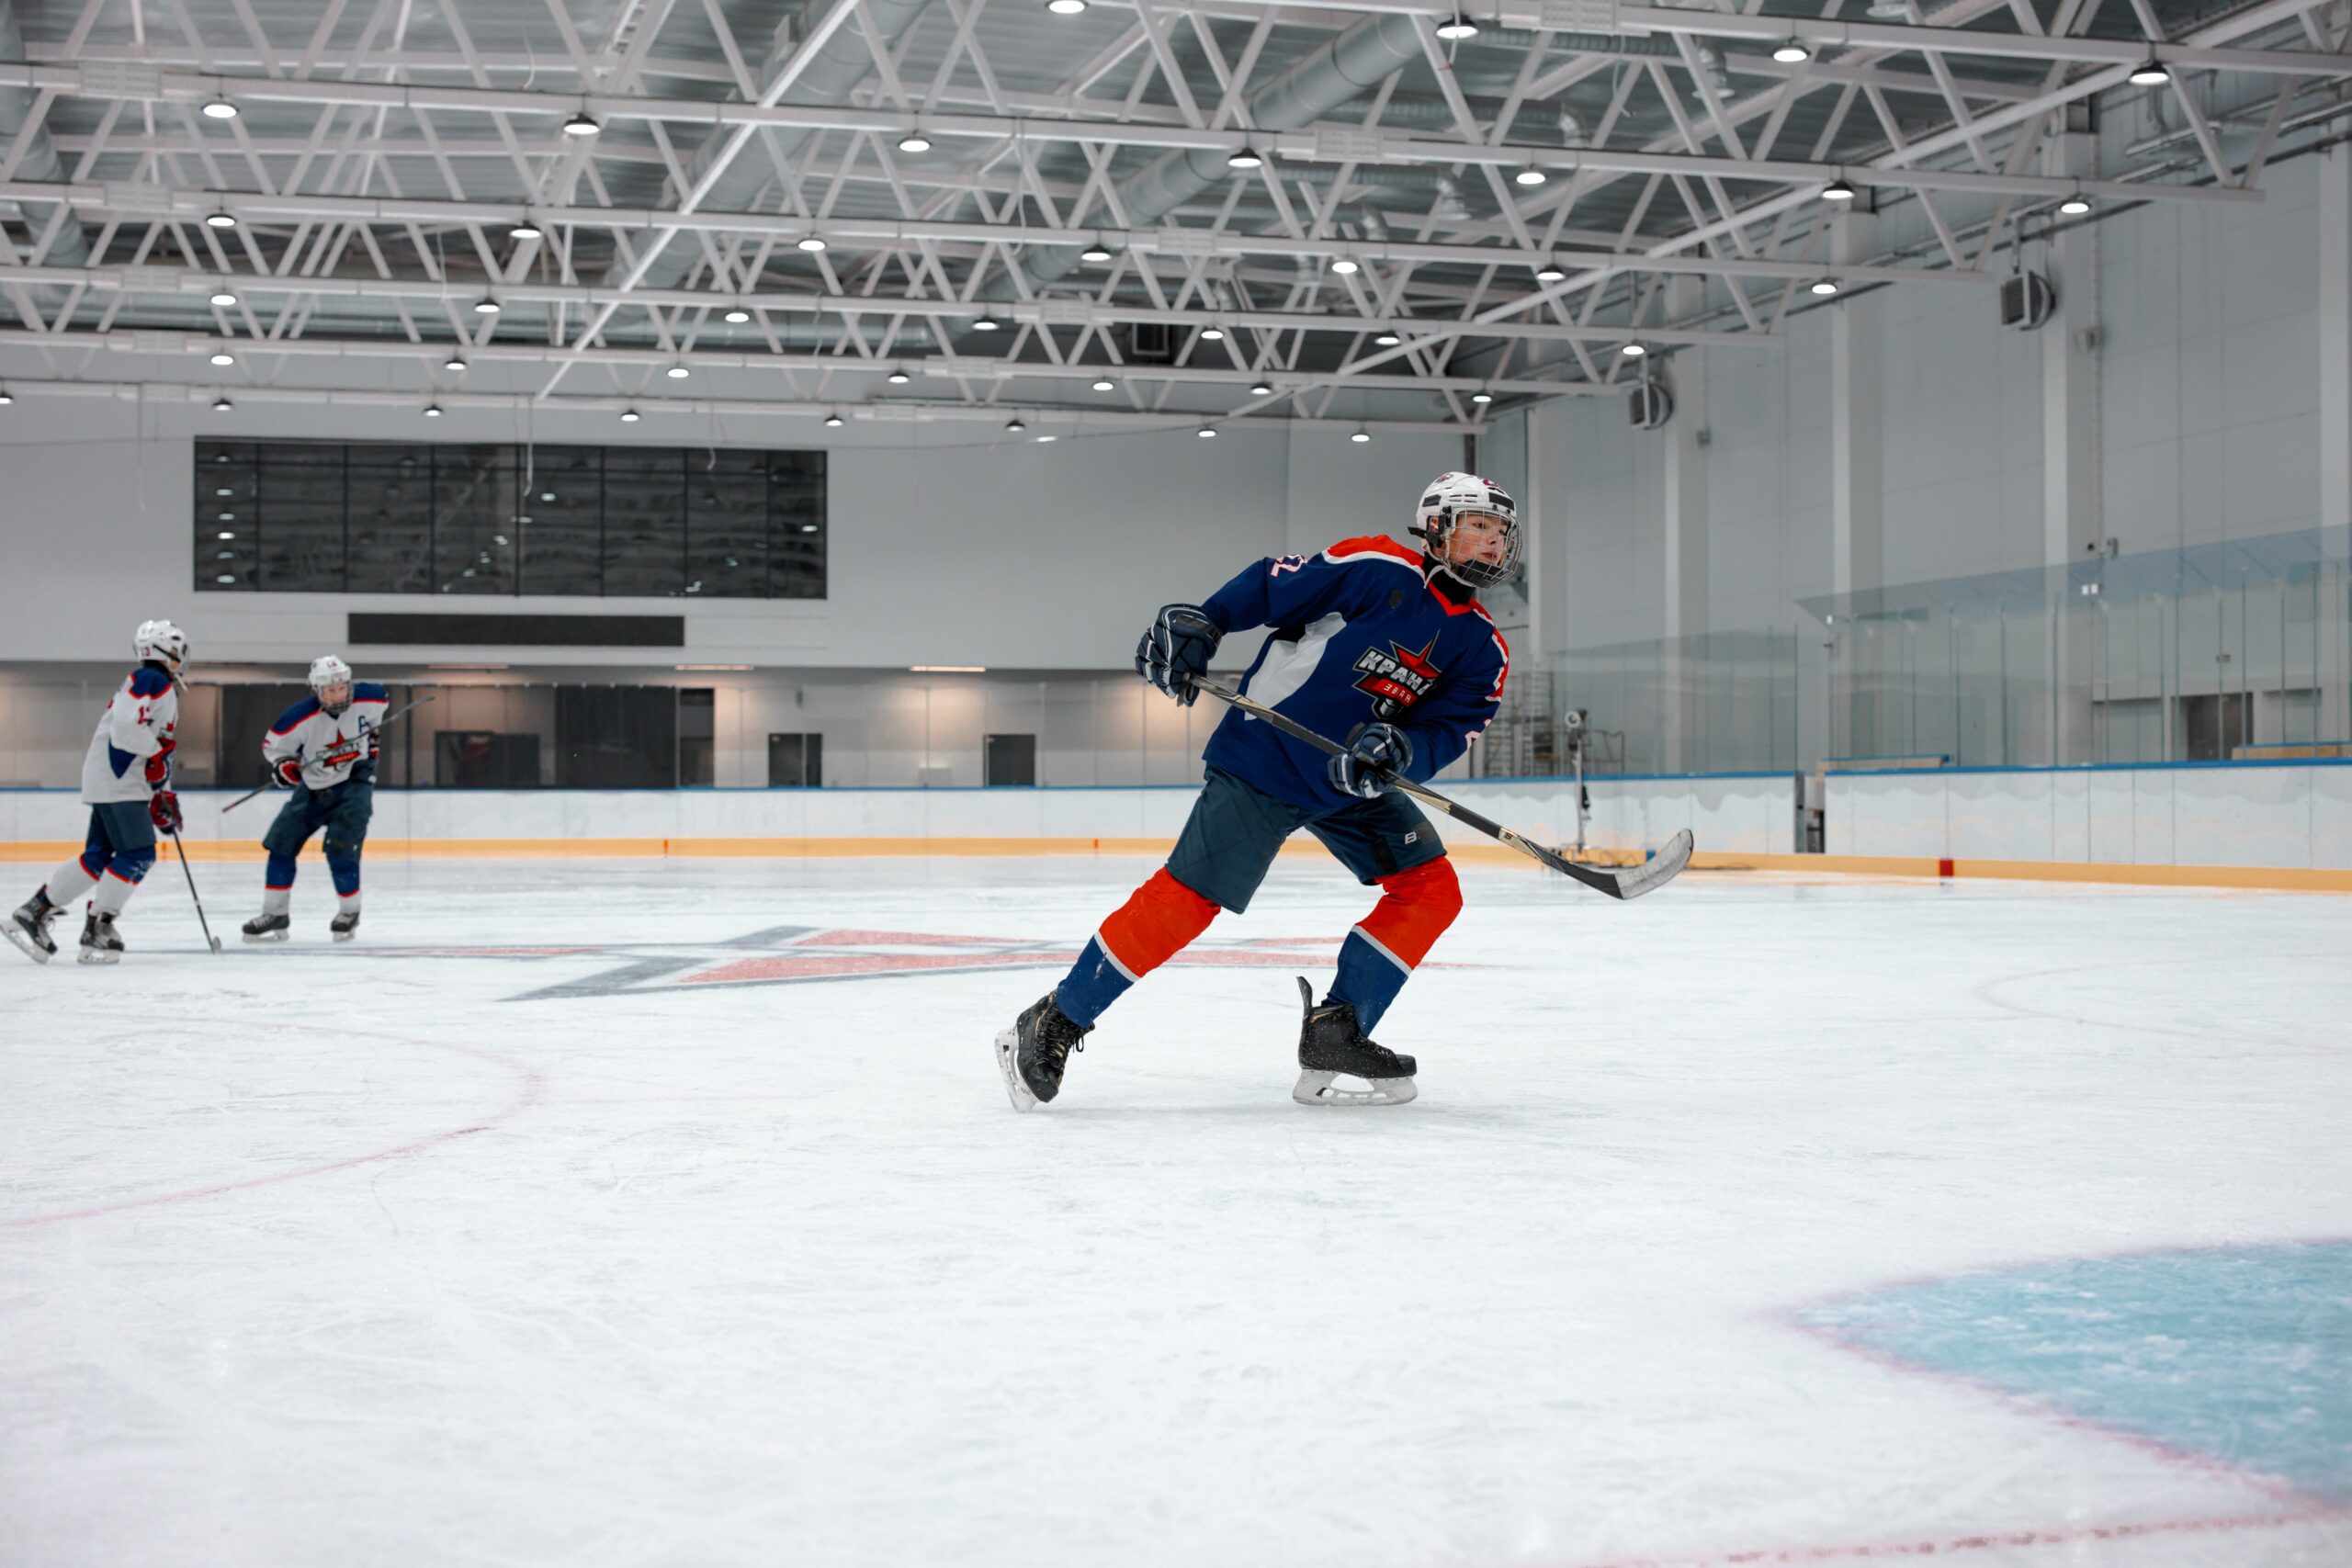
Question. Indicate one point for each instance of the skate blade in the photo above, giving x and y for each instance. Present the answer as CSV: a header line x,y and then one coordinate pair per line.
x,y
97,955
266,936
27,945
1316,1087
343,936
1008,1049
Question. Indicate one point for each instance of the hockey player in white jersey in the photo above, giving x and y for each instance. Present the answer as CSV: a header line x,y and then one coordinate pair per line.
x,y
127,783
324,749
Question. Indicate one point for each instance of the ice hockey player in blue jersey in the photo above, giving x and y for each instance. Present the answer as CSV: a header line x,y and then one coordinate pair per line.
x,y
1374,643
127,783
324,749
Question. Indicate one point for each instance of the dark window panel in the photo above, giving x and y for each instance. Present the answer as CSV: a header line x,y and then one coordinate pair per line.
x,y
300,517
474,549
727,536
391,528
644,525
615,738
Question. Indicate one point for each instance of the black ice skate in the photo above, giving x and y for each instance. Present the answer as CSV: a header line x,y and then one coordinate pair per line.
x,y
345,926
1332,1044
27,927
268,927
101,942
1033,1053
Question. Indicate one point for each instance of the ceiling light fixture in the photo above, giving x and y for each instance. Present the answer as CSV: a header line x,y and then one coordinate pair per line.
x,y
1206,433
1839,190
1244,158
1066,8
2152,74
220,109
1260,389
914,141
676,372
1014,426
811,244
1792,53
1825,287
580,125
898,377
1096,252
6,397
1046,437
223,357
1104,384
432,411
630,416
2076,205
1482,397
1550,272
526,229
832,422
1530,176
221,405
1344,267
1212,334
224,298
1457,27
986,324
1633,350
737,316
486,306
454,365
1387,340
220,221
1361,436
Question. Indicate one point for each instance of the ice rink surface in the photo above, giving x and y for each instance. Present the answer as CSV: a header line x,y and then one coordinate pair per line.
x,y
641,1212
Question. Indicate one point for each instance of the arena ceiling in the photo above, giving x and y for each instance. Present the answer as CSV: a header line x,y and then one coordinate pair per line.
x,y
1386,213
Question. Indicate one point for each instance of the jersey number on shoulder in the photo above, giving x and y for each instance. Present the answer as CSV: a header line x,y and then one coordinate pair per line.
x,y
1287,563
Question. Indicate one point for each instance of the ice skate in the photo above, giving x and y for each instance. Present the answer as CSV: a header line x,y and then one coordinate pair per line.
x,y
1033,1053
101,943
268,928
345,926
1331,1046
27,927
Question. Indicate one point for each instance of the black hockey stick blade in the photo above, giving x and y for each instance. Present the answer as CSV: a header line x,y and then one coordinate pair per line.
x,y
1632,882
267,788
209,940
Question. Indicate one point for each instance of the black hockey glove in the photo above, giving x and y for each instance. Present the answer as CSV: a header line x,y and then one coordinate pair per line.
x,y
1373,750
1176,651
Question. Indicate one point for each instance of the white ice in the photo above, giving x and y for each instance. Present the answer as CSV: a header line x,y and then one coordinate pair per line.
x,y
347,1255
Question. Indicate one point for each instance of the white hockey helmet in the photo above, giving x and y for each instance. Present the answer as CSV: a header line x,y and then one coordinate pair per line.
x,y
327,671
161,642
1447,497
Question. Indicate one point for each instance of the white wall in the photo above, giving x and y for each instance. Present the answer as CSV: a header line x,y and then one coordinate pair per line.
x,y
946,547
2209,395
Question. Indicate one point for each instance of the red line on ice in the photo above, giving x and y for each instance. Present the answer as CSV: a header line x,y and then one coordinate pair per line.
x,y
1987,1540
534,1084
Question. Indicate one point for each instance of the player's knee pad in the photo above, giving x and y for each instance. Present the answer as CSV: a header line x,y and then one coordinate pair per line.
x,y
132,865
1156,923
94,863
343,864
1415,908
279,876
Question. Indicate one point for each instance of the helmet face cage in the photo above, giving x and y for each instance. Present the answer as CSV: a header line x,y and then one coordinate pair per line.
x,y
327,671
1445,500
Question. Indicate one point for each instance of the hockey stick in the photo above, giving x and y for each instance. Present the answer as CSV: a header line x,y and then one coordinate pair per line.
x,y
265,789
209,940
1651,875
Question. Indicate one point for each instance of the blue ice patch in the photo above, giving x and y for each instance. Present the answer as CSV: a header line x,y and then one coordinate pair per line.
x,y
2241,1354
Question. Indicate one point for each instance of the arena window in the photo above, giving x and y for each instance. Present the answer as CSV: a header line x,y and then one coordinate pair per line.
x,y
398,517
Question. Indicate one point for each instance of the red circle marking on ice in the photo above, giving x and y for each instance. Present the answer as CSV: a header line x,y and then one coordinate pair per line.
x,y
533,1084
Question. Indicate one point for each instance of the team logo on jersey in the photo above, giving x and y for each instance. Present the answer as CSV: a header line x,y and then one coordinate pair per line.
x,y
1395,677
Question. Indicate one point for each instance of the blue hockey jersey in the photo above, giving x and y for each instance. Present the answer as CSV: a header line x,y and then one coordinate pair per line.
x,y
1361,635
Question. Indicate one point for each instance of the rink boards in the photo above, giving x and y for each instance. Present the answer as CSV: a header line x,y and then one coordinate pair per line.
x,y
2251,825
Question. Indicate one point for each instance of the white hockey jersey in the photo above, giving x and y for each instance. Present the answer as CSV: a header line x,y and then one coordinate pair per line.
x,y
144,711
328,745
